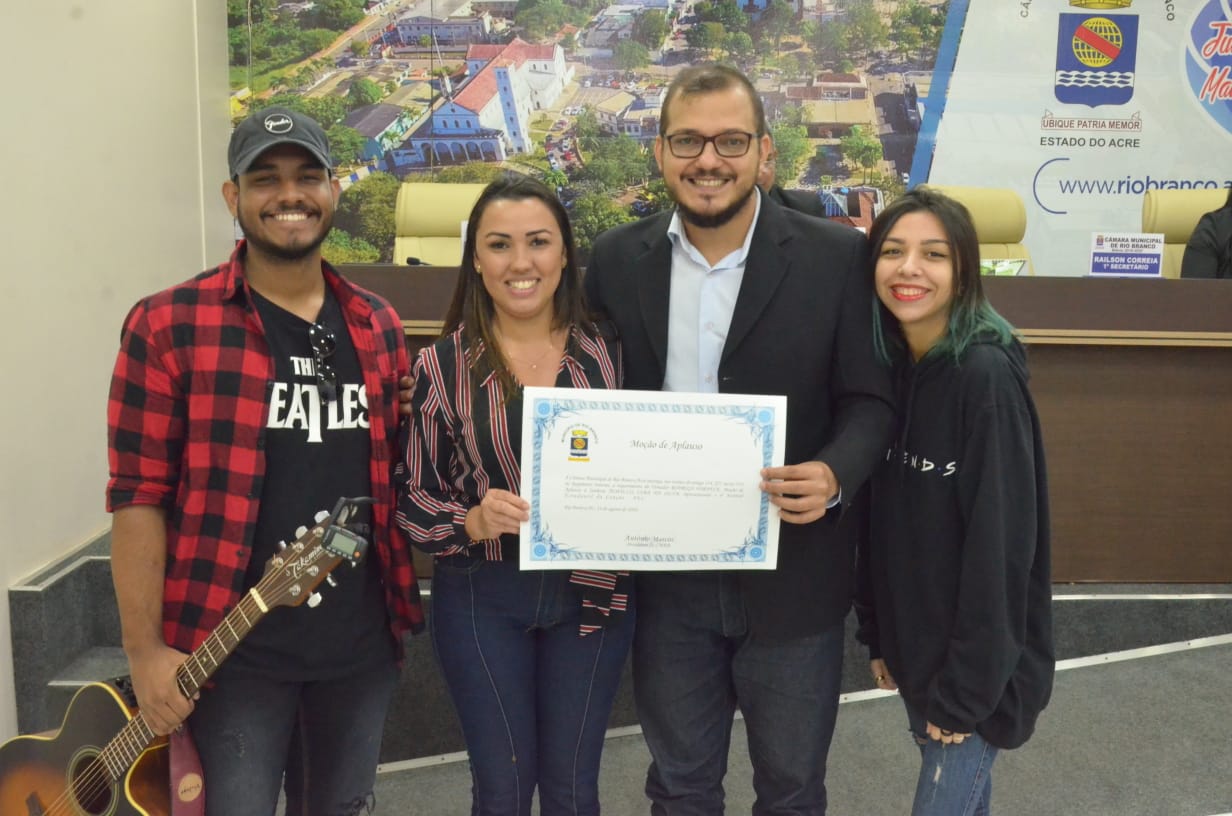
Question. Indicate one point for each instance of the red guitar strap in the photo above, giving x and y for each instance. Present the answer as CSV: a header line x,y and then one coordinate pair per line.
x,y
187,783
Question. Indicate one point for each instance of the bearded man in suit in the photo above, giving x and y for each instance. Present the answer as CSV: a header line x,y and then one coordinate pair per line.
x,y
730,292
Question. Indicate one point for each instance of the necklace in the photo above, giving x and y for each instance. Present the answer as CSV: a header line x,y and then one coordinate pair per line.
x,y
533,364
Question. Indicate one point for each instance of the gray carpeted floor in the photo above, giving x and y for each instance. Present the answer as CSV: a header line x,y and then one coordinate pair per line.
x,y
1148,736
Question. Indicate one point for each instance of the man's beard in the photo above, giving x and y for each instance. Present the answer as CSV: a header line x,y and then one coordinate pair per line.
x,y
718,219
286,253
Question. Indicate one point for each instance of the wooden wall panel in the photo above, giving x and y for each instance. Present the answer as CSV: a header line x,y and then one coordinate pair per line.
x,y
1139,460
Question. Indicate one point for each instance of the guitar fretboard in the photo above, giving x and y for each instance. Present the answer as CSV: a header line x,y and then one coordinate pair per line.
x,y
207,657
300,568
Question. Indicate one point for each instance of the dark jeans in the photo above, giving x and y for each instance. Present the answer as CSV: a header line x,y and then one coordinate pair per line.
x,y
325,736
533,696
693,663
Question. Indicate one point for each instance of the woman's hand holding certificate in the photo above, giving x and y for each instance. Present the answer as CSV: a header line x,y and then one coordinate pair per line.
x,y
500,512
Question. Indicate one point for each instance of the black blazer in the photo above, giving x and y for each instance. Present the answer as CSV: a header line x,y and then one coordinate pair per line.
x,y
802,327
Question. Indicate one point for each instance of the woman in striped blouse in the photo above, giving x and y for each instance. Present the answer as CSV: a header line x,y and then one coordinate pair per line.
x,y
532,659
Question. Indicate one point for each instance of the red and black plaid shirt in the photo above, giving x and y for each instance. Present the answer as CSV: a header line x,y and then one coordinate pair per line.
x,y
186,428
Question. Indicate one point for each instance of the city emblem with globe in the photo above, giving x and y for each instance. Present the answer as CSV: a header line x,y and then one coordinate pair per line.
x,y
1096,59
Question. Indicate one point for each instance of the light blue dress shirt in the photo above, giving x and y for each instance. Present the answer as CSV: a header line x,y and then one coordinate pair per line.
x,y
700,308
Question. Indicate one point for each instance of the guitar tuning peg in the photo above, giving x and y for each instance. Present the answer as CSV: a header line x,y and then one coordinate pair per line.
x,y
282,545
329,579
314,600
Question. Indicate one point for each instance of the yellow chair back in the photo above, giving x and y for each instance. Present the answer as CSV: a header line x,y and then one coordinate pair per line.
x,y
1175,213
1000,220
428,221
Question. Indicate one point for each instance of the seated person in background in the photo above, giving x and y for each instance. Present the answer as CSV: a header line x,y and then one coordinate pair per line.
x,y
805,201
1209,251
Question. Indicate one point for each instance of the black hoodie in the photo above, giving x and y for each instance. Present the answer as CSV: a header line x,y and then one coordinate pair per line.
x,y
955,583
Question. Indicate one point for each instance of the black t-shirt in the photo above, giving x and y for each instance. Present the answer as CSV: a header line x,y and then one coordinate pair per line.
x,y
315,452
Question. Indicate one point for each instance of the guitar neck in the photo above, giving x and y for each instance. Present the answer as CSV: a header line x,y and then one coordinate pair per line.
x,y
207,657
290,577
123,750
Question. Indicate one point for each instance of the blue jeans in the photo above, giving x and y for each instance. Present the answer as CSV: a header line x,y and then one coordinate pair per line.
x,y
693,663
955,780
325,736
533,696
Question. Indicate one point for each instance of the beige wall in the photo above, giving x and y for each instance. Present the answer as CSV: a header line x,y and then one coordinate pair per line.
x,y
114,140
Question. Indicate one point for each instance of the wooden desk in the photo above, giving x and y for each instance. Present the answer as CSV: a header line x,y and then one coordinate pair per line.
x,y
1133,380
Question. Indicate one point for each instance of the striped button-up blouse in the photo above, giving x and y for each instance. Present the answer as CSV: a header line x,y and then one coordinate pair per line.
x,y
464,439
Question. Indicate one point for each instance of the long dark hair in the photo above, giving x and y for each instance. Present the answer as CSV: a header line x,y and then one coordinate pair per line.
x,y
971,315
472,305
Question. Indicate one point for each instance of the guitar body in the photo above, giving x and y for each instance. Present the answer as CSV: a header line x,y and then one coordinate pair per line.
x,y
70,773
50,775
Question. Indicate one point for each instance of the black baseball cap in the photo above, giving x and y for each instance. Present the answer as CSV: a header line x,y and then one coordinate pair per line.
x,y
274,126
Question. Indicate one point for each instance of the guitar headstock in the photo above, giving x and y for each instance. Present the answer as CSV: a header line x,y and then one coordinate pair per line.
x,y
293,574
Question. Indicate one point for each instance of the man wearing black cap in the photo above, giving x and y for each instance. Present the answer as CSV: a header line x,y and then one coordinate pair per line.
x,y
245,402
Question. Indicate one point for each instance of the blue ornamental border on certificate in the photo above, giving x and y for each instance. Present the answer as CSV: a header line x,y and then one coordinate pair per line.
x,y
543,546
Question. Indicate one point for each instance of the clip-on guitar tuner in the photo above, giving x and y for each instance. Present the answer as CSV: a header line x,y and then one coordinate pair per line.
x,y
340,540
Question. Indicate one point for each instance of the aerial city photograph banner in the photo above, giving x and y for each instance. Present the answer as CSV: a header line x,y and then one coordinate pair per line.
x,y
1077,106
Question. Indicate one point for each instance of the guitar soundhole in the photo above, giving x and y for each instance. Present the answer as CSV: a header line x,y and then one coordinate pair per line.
x,y
92,787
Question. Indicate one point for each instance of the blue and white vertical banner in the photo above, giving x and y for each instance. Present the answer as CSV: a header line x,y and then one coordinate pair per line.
x,y
1081,106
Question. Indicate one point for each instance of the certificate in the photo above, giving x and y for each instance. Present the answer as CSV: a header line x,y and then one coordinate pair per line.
x,y
649,480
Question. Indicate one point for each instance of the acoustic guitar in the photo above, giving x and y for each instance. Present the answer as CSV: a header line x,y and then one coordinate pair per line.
x,y
104,760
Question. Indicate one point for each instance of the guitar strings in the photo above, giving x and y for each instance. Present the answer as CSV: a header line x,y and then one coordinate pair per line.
x,y
97,777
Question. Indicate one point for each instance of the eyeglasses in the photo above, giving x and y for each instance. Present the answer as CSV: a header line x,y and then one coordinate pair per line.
x,y
731,144
323,346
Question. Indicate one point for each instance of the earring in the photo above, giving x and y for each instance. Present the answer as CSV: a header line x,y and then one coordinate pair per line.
x,y
478,270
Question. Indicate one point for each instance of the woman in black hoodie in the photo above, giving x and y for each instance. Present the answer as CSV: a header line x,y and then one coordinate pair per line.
x,y
955,587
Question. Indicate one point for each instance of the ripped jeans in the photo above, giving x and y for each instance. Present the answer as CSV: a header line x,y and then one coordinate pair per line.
x,y
325,736
955,780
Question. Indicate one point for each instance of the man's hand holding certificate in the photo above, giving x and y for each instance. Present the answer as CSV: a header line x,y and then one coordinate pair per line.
x,y
649,480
